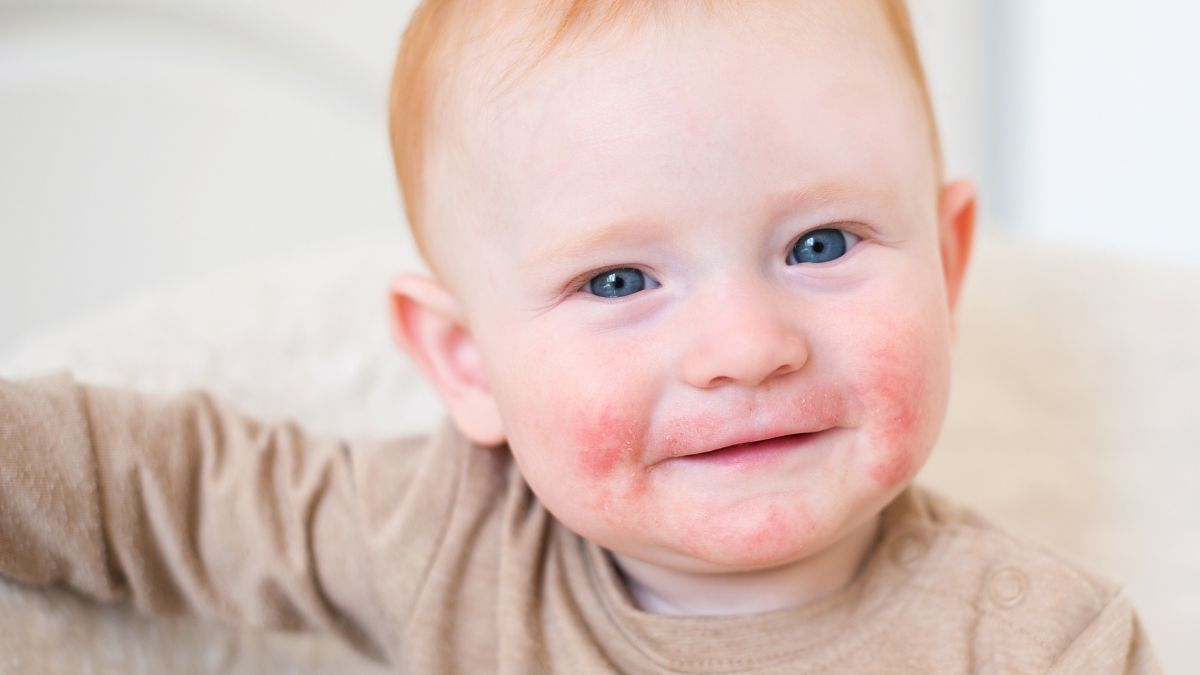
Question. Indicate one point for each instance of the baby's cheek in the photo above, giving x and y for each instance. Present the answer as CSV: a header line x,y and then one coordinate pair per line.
x,y
604,441
900,400
608,453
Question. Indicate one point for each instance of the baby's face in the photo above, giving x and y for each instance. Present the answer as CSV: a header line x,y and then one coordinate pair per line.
x,y
684,242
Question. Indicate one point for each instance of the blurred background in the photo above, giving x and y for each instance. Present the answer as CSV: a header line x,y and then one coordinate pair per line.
x,y
145,144
147,141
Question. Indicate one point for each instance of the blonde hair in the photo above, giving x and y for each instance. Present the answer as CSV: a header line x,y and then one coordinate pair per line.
x,y
436,33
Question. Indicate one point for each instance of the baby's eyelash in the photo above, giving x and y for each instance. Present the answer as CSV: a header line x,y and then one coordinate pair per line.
x,y
580,281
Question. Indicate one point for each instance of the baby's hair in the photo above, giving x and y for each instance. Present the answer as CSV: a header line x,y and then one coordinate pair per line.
x,y
440,30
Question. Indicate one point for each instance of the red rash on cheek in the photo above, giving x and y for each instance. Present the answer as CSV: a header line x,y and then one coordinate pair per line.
x,y
892,468
605,443
608,452
895,391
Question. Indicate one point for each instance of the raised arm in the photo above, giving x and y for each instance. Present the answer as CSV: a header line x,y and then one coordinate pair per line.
x,y
182,504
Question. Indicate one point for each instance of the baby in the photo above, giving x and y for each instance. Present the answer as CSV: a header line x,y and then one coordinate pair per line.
x,y
695,276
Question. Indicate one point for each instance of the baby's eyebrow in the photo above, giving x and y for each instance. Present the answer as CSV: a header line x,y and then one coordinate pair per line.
x,y
810,196
624,230
628,230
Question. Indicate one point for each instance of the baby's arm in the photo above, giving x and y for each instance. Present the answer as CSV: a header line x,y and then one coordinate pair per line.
x,y
181,504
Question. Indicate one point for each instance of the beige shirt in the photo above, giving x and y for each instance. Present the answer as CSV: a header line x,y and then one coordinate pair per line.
x,y
432,554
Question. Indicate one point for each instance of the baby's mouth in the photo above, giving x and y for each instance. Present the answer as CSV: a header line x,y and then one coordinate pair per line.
x,y
751,450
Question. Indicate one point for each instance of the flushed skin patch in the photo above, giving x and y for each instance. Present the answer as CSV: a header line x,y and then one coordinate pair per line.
x,y
606,402
607,443
897,391
626,465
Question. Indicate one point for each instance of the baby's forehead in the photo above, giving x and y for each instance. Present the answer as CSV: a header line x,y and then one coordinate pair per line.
x,y
501,49
514,63
459,54
562,115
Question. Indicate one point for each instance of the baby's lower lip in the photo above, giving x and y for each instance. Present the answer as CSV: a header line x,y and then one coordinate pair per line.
x,y
757,452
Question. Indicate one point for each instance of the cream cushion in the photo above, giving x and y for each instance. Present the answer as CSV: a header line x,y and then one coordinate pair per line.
x,y
1072,423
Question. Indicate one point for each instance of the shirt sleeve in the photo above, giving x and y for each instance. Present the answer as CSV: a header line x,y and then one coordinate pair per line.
x,y
182,504
1114,643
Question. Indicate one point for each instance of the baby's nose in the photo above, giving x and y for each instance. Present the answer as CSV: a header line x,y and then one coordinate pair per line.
x,y
747,337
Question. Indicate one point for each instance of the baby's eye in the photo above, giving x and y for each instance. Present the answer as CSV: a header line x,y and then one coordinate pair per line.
x,y
619,283
821,245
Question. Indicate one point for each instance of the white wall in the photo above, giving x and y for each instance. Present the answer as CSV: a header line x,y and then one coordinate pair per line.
x,y
952,38
1101,108
1113,142
1079,119
145,142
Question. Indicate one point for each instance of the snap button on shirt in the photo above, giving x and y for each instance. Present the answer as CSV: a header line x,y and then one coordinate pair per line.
x,y
1008,587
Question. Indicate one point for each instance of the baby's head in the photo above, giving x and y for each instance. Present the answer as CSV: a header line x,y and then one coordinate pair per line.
x,y
661,230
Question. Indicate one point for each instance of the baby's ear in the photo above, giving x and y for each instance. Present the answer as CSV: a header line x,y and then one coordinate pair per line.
x,y
428,323
956,230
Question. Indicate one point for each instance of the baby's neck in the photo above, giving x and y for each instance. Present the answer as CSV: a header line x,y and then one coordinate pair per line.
x,y
660,590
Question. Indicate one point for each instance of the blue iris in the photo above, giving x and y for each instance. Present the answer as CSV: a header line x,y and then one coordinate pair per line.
x,y
819,246
617,283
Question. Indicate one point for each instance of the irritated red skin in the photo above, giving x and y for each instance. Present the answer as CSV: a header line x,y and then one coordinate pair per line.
x,y
897,385
760,539
609,441
772,533
681,434
609,436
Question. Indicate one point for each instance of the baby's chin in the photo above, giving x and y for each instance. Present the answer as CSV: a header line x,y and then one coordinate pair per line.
x,y
716,558
775,540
